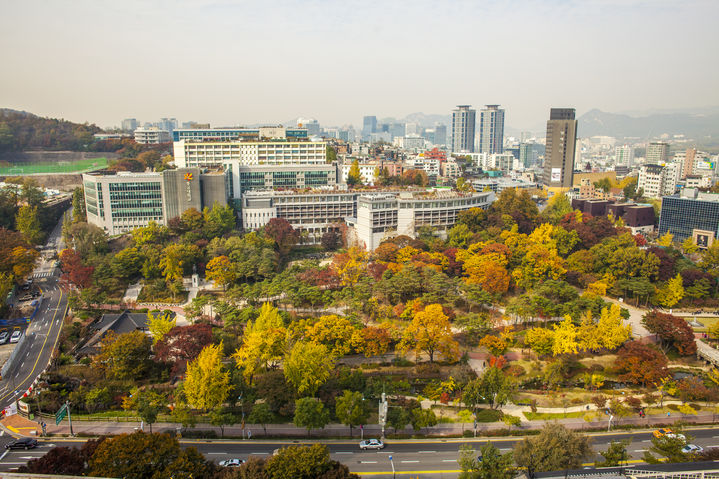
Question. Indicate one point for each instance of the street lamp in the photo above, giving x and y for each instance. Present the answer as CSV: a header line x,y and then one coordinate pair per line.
x,y
393,472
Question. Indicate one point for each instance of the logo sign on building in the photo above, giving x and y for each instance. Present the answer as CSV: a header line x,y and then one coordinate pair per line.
x,y
188,176
556,175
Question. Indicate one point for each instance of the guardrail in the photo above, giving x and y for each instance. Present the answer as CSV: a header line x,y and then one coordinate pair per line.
x,y
13,355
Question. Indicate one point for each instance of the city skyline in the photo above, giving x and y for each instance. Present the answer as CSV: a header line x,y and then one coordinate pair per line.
x,y
340,62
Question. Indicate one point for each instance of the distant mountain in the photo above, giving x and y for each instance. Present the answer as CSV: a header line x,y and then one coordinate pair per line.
x,y
695,124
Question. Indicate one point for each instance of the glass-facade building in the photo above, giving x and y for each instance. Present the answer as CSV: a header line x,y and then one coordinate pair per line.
x,y
691,214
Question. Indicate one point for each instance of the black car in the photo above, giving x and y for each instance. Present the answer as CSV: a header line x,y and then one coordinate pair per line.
x,y
24,443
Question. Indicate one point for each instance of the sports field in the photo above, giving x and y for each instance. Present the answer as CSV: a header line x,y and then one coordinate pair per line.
x,y
76,166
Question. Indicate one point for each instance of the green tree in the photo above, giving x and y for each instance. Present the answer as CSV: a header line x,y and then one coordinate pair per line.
x,y
28,223
207,384
303,462
555,448
78,205
125,356
351,409
615,454
146,456
308,366
262,415
218,220
491,464
668,448
221,417
310,413
423,418
493,387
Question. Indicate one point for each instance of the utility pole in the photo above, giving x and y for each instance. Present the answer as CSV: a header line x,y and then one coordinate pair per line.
x,y
69,417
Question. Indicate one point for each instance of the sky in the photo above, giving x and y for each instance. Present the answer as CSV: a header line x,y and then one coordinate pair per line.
x,y
245,62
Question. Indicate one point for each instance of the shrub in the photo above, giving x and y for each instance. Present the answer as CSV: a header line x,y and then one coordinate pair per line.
x,y
516,370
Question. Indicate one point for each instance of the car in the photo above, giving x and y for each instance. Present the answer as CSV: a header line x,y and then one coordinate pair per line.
x,y
3,337
371,444
668,433
15,337
24,443
692,449
232,463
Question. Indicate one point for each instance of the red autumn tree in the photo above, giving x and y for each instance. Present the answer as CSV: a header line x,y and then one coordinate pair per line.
x,y
282,232
672,331
74,269
182,345
640,363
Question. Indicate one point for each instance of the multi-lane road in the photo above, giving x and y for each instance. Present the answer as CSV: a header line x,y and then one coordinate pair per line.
x,y
432,458
42,333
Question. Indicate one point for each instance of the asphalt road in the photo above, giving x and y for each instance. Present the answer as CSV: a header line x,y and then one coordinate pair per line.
x,y
42,334
431,459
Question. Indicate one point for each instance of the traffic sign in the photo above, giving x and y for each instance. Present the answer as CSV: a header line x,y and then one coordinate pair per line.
x,y
60,414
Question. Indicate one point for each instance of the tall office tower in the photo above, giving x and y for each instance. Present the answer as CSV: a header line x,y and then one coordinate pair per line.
x,y
624,155
369,126
412,129
463,127
689,158
169,124
312,125
440,134
129,124
560,147
491,129
657,153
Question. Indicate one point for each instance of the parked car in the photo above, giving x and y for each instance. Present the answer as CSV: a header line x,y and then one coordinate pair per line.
x,y
692,449
232,463
16,335
3,337
371,444
24,443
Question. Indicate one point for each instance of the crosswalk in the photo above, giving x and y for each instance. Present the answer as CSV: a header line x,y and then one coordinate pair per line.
x,y
42,275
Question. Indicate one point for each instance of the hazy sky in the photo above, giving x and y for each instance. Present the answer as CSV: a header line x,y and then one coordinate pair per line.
x,y
238,62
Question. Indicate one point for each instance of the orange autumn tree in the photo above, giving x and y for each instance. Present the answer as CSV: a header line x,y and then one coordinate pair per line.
x,y
430,332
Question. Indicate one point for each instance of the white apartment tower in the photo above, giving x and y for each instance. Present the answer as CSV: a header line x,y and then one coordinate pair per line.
x,y
491,129
463,128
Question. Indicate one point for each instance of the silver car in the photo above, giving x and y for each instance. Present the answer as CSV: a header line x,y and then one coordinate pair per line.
x,y
371,444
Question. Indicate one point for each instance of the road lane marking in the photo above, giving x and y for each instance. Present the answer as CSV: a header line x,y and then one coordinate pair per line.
x,y
259,453
427,452
344,452
216,453
368,462
449,460
409,461
43,346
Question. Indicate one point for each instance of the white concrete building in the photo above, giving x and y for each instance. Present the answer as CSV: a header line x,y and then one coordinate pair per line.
x,y
657,180
624,155
217,153
382,216
152,136
367,171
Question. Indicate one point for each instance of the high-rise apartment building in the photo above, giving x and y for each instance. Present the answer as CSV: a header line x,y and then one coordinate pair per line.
x,y
463,128
440,134
369,126
657,153
129,124
560,147
491,129
624,155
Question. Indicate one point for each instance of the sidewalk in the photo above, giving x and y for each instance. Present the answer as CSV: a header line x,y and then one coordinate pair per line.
x,y
370,430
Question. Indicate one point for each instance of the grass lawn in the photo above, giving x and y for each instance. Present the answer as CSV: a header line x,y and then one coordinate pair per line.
x,y
552,415
707,321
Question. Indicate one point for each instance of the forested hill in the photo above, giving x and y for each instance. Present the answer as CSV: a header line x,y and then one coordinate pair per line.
x,y
21,130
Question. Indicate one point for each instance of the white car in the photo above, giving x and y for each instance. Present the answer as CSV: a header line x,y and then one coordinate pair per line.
x,y
692,449
371,444
232,463
680,436
16,335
